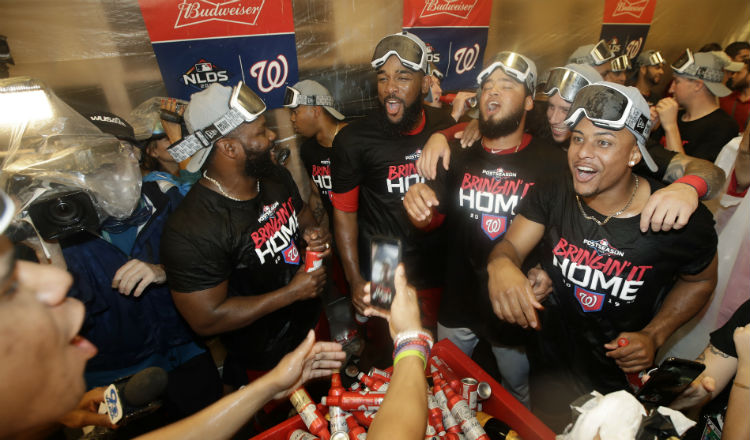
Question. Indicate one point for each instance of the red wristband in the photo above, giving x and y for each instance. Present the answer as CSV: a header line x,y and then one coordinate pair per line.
x,y
696,182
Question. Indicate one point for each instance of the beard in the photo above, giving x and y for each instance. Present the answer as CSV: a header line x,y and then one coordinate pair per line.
x,y
260,165
411,116
738,86
653,79
493,129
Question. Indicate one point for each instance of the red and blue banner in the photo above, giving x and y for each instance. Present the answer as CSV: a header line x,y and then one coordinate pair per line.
x,y
626,24
456,33
200,42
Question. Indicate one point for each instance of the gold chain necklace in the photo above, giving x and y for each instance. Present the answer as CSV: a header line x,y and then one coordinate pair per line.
x,y
604,222
224,193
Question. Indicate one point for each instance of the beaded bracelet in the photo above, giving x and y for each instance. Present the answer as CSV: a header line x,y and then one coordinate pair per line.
x,y
421,348
413,341
413,334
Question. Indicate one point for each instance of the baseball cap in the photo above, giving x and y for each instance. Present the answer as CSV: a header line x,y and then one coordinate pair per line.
x,y
596,54
649,58
309,92
705,66
732,66
212,113
614,107
112,124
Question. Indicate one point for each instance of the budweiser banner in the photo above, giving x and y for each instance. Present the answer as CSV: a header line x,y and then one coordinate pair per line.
x,y
456,33
200,42
626,24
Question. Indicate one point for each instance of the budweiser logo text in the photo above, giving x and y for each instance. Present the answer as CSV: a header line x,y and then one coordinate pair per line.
x,y
634,8
232,11
456,8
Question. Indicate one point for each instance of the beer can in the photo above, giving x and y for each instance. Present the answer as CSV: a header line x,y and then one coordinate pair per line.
x,y
469,387
313,260
299,434
484,391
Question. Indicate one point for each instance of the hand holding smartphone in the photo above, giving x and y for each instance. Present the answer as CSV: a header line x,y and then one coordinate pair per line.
x,y
385,257
669,381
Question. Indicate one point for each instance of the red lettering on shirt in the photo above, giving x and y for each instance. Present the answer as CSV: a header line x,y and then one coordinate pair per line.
x,y
398,171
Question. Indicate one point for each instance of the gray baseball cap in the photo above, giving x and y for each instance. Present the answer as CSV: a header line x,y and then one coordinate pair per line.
x,y
312,93
705,66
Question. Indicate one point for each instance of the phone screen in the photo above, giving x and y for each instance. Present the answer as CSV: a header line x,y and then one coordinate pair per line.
x,y
669,381
386,255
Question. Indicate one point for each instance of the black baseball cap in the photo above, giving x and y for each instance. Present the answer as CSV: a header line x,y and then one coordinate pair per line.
x,y
112,124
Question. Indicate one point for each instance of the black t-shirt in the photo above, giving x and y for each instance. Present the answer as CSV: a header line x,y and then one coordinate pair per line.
x,y
479,195
714,411
255,245
607,279
704,137
383,167
317,161
723,338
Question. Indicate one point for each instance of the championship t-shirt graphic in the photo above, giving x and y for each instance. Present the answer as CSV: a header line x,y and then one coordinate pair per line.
x,y
317,161
479,195
380,167
607,279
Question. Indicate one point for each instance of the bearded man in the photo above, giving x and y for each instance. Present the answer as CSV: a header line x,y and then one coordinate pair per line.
x,y
477,198
373,166
232,250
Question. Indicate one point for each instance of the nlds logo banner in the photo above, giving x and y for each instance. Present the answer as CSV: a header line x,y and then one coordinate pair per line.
x,y
204,73
626,24
456,33
200,42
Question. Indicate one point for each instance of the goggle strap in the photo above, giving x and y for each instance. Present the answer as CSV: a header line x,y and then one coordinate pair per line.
x,y
314,100
204,138
185,148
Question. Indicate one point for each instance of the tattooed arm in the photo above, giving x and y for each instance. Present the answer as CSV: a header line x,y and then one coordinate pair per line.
x,y
720,368
672,206
316,206
684,165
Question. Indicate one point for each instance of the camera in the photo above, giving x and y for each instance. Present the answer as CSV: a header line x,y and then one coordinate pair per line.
x,y
64,214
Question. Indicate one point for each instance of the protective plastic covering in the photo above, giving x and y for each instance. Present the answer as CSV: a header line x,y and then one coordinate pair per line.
x,y
96,54
145,118
47,148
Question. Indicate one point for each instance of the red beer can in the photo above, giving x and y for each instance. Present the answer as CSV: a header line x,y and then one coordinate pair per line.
x,y
469,387
313,260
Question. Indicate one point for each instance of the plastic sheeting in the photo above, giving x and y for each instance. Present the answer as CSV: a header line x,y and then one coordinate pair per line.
x,y
46,148
97,52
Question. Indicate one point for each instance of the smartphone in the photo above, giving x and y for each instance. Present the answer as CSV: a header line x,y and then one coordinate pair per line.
x,y
669,381
385,257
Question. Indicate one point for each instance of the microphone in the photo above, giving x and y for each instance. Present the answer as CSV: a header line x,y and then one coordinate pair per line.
x,y
129,399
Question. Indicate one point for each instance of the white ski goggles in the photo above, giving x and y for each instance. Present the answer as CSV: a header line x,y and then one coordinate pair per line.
x,y
410,52
244,106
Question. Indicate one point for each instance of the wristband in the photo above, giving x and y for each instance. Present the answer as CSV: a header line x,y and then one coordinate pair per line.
x,y
412,344
407,353
696,182
412,335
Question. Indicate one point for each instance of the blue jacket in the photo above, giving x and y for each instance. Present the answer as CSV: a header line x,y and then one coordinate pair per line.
x,y
125,329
